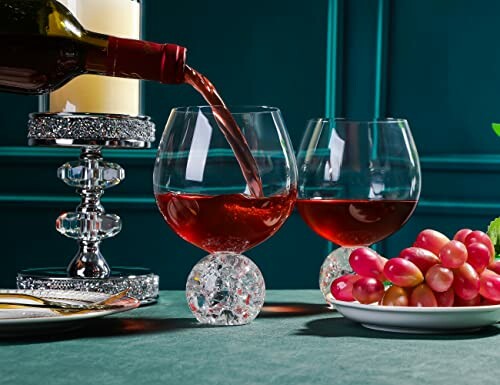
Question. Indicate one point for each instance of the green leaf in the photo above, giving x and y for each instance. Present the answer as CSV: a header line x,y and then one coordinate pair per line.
x,y
494,234
496,128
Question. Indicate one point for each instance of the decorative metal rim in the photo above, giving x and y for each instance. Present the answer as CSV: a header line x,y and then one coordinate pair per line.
x,y
67,129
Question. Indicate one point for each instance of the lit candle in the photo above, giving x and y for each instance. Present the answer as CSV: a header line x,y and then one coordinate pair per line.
x,y
92,93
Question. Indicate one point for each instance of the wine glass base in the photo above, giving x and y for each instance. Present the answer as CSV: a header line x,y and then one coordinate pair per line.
x,y
335,265
141,283
225,289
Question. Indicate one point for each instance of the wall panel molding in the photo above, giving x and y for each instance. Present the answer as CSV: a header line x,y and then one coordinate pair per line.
x,y
334,59
37,153
457,208
128,202
461,162
382,47
334,88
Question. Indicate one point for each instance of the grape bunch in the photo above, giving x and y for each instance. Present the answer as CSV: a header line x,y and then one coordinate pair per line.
x,y
435,271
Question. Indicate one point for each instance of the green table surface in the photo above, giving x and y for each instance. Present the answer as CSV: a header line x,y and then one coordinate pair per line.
x,y
295,340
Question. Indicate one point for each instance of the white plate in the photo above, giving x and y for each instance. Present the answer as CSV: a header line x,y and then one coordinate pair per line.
x,y
419,319
17,322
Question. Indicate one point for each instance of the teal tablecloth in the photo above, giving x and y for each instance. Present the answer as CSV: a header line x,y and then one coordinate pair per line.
x,y
296,340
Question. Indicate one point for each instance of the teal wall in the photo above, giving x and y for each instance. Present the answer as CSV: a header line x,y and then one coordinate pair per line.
x,y
433,62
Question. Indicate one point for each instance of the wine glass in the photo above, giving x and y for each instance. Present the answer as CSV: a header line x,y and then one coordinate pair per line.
x,y
202,191
359,182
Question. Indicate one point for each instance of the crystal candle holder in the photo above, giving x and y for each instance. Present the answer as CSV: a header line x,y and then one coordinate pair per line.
x,y
89,224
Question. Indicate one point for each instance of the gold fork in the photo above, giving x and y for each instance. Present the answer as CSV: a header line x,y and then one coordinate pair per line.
x,y
57,306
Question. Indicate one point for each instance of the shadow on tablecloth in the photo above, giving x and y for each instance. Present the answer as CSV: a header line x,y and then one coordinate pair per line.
x,y
292,309
341,327
109,327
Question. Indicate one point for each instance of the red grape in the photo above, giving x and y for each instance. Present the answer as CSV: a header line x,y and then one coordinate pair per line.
x,y
446,298
462,234
476,301
466,282
422,296
395,296
453,254
495,266
431,240
479,236
367,263
488,302
368,290
478,256
341,287
490,285
402,272
439,278
423,258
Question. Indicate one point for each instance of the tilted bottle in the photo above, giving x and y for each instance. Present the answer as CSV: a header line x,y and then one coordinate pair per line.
x,y
43,46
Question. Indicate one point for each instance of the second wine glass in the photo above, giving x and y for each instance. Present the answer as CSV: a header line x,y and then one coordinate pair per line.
x,y
359,182
202,193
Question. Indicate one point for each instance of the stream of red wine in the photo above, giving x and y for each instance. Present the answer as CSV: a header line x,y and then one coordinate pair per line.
x,y
229,128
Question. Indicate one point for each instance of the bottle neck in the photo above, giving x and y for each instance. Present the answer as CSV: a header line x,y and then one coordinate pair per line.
x,y
138,59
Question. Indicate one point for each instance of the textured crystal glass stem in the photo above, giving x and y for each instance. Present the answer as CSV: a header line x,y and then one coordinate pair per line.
x,y
225,288
335,265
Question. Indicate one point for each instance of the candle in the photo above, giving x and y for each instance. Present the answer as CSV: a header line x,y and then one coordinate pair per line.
x,y
101,94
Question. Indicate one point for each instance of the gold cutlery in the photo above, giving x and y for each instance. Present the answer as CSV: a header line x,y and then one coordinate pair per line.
x,y
57,305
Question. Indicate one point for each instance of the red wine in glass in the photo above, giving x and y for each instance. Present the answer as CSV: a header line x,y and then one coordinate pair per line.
x,y
229,222
359,183
350,223
201,195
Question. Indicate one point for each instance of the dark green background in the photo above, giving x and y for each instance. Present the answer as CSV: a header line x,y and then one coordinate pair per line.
x,y
434,62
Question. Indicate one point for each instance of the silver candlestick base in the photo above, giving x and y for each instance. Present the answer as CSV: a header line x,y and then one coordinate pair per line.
x,y
89,224
141,283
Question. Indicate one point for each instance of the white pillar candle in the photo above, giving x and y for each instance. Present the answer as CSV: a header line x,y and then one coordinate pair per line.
x,y
102,94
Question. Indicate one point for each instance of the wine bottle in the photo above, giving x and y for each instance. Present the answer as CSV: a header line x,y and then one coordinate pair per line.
x,y
43,46
94,93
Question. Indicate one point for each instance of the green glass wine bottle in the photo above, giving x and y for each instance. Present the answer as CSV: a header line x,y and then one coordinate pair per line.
x,y
43,46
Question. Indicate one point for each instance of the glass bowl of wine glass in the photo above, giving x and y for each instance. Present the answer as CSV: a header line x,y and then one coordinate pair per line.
x,y
359,182
225,182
